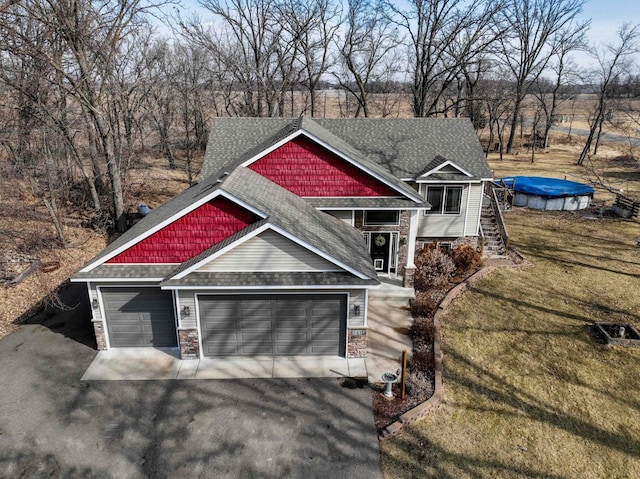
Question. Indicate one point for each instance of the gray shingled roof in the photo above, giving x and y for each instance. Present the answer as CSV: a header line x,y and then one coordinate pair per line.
x,y
401,146
370,202
282,208
126,271
404,145
283,279
303,221
226,152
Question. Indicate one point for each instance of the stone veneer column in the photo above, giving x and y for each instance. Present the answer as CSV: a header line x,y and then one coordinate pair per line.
x,y
98,329
356,342
189,345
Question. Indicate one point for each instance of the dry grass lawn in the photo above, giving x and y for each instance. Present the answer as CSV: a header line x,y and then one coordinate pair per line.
x,y
528,390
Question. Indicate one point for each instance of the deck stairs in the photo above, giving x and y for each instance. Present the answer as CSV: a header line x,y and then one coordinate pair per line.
x,y
494,244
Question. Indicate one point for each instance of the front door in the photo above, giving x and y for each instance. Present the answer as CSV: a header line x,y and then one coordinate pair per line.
x,y
380,251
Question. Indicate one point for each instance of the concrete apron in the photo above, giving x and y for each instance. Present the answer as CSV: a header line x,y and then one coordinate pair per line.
x,y
153,364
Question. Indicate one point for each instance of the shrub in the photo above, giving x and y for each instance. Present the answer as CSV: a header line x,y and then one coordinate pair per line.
x,y
419,384
465,258
434,269
424,304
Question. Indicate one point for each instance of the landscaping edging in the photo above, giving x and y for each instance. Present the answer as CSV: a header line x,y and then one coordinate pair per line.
x,y
431,404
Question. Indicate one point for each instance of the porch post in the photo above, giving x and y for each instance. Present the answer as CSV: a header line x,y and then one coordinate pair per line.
x,y
410,268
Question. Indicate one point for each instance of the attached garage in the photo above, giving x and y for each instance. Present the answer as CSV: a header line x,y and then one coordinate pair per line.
x,y
273,324
139,317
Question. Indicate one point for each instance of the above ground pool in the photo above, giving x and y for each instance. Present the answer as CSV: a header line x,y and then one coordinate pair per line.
x,y
551,194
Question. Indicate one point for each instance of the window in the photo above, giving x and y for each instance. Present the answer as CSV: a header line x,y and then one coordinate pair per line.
x,y
444,200
445,245
376,218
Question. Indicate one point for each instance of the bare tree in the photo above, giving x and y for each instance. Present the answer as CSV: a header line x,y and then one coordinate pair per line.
x,y
497,95
612,61
311,26
525,48
551,94
367,51
433,27
188,77
246,37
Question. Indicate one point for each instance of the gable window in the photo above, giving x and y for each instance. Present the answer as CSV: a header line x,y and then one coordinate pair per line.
x,y
377,218
444,200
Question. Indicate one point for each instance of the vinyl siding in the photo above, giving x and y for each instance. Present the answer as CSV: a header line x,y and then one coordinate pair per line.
x,y
342,215
269,251
473,213
93,294
186,299
356,297
443,225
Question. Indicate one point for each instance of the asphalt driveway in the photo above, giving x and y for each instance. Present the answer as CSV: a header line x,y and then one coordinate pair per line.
x,y
54,425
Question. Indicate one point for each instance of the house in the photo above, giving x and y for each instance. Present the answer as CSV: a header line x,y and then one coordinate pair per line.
x,y
294,221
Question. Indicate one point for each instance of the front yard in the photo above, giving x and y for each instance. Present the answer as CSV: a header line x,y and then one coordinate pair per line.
x,y
529,391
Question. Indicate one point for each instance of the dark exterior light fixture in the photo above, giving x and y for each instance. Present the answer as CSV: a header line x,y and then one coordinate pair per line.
x,y
94,303
356,310
185,311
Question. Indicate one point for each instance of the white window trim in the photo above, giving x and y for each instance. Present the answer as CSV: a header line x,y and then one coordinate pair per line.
x,y
445,188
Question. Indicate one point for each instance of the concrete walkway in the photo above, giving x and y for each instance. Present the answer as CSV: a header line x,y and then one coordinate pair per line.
x,y
389,321
150,364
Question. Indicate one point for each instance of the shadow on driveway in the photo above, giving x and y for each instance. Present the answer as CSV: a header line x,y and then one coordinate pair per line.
x,y
53,425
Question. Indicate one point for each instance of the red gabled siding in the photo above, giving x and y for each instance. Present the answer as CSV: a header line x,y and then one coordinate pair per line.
x,y
307,169
189,235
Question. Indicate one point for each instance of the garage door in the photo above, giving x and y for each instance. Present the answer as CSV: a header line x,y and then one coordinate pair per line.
x,y
273,325
139,317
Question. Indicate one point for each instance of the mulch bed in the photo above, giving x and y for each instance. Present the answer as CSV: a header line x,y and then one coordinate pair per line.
x,y
388,410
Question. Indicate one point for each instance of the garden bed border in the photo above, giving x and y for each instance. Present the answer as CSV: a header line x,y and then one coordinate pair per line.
x,y
431,404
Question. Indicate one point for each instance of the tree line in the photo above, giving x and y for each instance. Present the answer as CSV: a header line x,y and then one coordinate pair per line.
x,y
89,86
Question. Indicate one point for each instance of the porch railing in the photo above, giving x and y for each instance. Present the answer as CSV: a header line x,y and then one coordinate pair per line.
x,y
497,211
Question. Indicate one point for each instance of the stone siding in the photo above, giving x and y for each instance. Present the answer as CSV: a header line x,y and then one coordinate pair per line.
x,y
189,345
357,343
98,329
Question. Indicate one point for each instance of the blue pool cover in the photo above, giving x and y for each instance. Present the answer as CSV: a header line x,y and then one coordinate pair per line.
x,y
547,187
